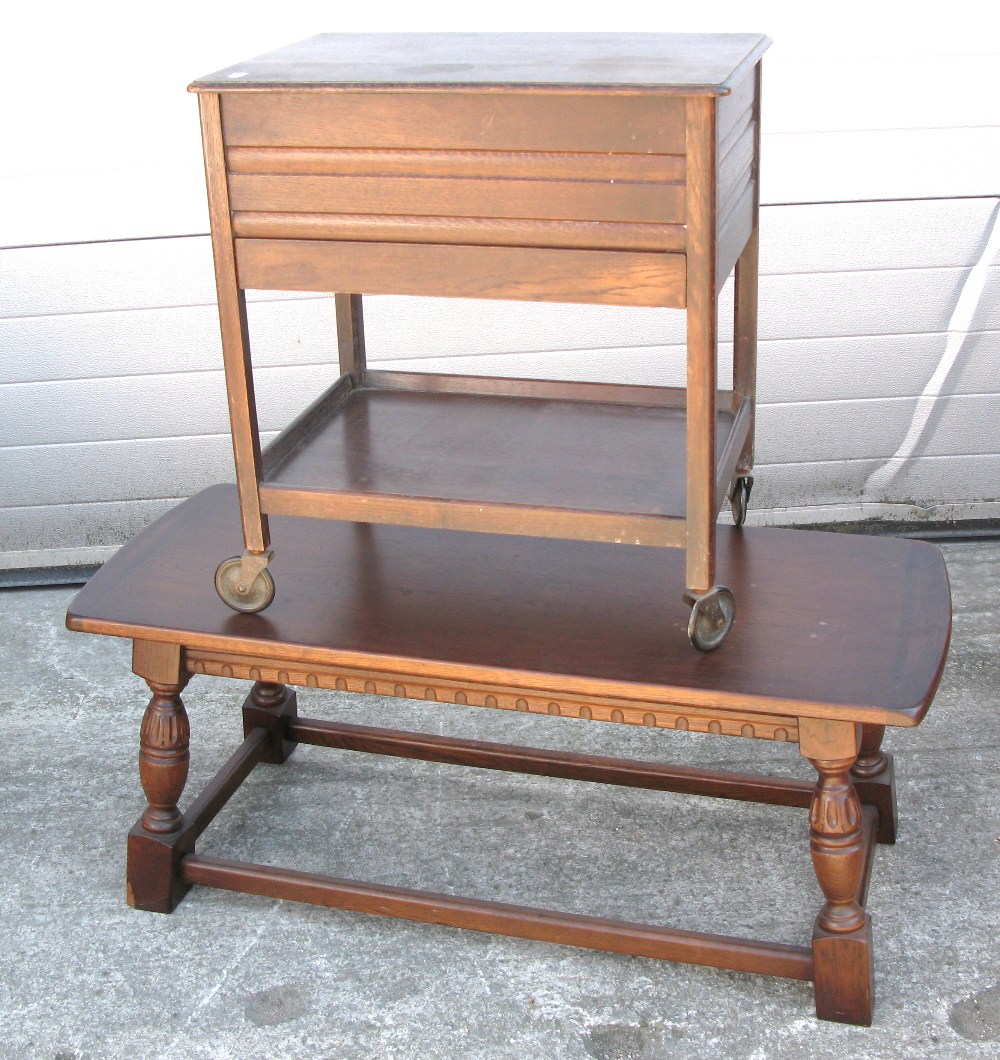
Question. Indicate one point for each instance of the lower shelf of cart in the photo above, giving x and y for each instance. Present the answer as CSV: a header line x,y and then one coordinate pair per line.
x,y
583,461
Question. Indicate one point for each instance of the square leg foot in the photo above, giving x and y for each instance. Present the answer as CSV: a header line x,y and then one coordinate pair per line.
x,y
272,707
880,792
843,975
152,873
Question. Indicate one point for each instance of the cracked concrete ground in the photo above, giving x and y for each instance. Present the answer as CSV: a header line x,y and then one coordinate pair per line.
x,y
82,975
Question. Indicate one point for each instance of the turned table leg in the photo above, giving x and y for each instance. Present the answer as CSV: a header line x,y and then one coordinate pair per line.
x,y
842,946
164,757
875,780
158,840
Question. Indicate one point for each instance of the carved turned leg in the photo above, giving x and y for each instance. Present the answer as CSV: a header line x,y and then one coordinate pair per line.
x,y
842,950
273,707
157,842
875,780
164,757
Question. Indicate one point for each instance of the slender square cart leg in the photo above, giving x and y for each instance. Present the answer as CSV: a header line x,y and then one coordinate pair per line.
x,y
242,581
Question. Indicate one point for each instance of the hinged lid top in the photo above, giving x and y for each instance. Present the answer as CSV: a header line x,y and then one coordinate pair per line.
x,y
674,63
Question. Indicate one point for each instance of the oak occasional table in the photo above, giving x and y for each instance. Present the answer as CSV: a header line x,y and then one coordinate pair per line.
x,y
615,169
839,637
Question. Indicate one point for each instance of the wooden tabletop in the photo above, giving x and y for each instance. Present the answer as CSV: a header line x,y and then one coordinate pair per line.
x,y
688,63
828,625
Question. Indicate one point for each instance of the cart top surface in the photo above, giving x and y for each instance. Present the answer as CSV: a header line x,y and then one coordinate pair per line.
x,y
827,625
688,63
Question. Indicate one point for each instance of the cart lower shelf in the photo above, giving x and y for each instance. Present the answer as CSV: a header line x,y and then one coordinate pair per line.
x,y
569,460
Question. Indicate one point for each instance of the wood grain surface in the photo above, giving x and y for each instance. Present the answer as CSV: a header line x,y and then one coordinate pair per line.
x,y
828,625
477,197
460,120
508,449
602,277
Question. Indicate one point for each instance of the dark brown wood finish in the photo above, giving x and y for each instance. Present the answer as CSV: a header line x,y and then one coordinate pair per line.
x,y
153,877
829,621
874,780
273,708
569,929
159,838
619,169
164,736
415,449
507,449
187,868
311,419
842,949
546,389
654,776
163,756
513,608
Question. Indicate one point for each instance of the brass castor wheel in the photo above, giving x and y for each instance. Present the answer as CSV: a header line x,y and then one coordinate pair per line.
x,y
711,618
237,593
739,499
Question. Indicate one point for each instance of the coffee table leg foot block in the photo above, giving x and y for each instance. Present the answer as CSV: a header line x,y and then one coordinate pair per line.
x,y
153,879
273,707
844,975
874,780
880,792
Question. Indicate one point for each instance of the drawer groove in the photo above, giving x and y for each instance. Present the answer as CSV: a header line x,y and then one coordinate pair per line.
x,y
478,231
734,231
736,168
734,108
740,140
731,195
345,161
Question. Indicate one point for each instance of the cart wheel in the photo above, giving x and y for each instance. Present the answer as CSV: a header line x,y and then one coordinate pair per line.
x,y
711,619
247,598
739,499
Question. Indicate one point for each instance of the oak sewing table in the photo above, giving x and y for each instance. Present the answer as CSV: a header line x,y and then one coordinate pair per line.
x,y
839,637
604,168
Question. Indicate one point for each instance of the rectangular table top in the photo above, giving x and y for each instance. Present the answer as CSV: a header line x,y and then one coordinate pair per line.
x,y
688,63
827,625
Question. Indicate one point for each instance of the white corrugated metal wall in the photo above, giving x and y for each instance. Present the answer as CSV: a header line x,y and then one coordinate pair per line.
x,y
880,317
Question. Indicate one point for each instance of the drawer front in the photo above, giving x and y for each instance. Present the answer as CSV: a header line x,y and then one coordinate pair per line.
x,y
443,196
490,168
456,120
520,273
488,194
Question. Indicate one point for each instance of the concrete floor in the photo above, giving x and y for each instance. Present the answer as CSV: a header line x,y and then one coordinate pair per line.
x,y
82,975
